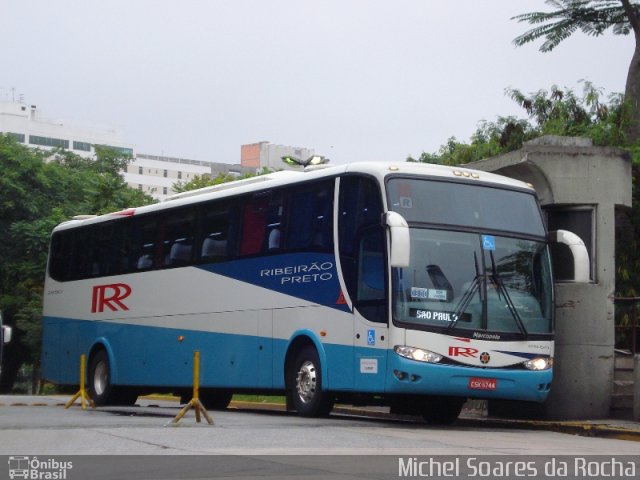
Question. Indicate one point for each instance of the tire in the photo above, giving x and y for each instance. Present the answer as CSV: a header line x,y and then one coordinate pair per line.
x,y
101,390
304,382
214,398
442,410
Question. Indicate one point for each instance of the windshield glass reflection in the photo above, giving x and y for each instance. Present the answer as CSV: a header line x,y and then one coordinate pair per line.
x,y
460,280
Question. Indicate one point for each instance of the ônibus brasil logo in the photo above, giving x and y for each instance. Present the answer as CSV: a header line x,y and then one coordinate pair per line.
x,y
33,468
109,296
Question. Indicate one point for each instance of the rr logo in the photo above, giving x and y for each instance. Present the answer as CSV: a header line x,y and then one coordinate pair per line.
x,y
462,352
109,296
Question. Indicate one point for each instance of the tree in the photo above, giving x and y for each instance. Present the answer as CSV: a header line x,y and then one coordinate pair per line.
x,y
38,190
490,139
551,112
592,17
202,181
562,112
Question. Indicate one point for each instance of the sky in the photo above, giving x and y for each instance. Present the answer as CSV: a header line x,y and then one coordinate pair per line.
x,y
351,79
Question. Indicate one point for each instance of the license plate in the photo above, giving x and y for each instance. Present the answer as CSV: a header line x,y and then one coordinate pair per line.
x,y
476,383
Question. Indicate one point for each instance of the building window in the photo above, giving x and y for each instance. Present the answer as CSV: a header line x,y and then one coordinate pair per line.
x,y
140,186
179,175
140,170
48,141
120,150
18,137
84,146
165,173
164,190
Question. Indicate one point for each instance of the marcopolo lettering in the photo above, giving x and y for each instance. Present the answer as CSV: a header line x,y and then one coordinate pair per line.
x,y
110,296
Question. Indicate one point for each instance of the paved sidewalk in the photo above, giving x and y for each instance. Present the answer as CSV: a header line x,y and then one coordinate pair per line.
x,y
166,405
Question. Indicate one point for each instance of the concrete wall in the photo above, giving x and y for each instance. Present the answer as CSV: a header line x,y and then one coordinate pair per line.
x,y
568,172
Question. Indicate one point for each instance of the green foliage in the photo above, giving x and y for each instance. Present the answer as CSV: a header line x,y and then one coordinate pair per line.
x,y
38,190
550,112
562,112
592,17
202,181
490,139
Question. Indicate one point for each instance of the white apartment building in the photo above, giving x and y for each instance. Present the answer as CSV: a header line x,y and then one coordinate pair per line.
x,y
26,124
153,174
156,174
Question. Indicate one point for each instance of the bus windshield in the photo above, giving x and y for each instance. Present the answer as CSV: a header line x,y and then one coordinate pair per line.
x,y
477,280
465,205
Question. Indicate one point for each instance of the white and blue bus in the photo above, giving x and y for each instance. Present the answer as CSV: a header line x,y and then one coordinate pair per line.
x,y
410,285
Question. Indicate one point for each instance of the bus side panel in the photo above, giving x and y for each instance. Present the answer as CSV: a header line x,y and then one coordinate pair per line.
x,y
156,356
60,354
329,329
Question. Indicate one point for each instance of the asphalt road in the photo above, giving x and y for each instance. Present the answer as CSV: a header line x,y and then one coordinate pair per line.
x,y
42,426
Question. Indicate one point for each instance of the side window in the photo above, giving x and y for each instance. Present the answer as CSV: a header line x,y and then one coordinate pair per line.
x,y
142,243
217,232
262,224
371,265
254,224
106,251
60,255
361,244
179,230
310,218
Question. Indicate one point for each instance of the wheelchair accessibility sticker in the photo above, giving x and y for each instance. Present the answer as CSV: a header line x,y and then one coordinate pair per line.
x,y
488,242
371,337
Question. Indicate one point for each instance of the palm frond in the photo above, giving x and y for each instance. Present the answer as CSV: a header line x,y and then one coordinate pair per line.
x,y
592,17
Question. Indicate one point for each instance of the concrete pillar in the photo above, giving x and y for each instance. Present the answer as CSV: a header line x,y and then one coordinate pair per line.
x,y
636,387
569,173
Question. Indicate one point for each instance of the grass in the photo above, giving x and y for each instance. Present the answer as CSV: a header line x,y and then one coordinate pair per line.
x,y
281,400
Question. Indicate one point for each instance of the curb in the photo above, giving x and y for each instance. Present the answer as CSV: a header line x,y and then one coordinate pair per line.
x,y
584,429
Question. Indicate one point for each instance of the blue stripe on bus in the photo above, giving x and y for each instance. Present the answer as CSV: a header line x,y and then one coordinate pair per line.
x,y
158,356
155,356
310,276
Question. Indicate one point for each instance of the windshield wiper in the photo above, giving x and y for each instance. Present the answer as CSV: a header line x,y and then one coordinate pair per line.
x,y
510,305
468,295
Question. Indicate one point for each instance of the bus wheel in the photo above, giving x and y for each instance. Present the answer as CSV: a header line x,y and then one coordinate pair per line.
x,y
442,410
305,384
214,398
100,388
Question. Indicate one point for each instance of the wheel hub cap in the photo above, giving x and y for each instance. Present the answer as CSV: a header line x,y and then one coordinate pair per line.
x,y
306,381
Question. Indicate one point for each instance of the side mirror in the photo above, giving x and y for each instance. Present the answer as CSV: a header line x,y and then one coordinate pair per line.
x,y
581,264
6,334
400,243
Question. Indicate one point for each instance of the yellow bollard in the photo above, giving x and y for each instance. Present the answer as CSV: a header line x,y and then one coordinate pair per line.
x,y
195,401
82,393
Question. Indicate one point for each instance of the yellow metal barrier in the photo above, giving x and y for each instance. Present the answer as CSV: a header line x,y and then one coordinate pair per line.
x,y
195,401
82,393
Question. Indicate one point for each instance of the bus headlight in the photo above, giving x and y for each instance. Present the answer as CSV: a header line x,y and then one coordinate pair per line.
x,y
540,363
417,354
